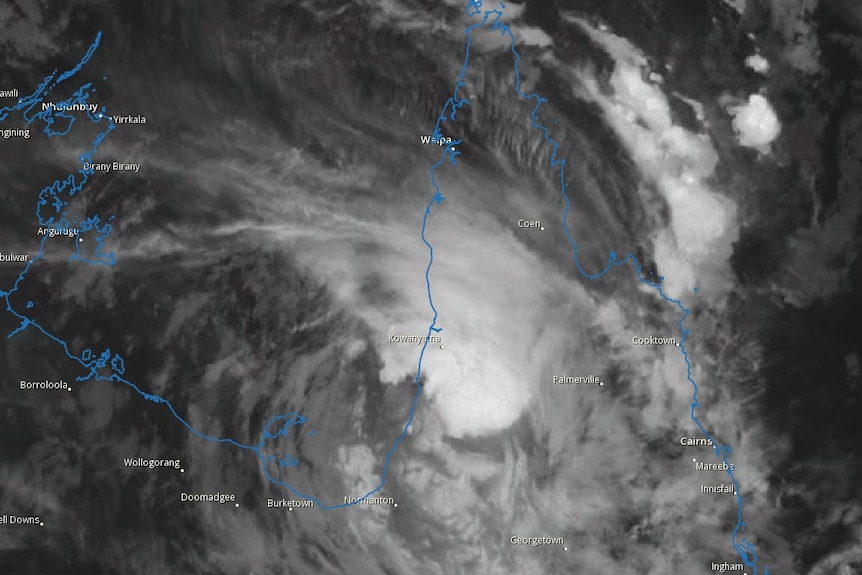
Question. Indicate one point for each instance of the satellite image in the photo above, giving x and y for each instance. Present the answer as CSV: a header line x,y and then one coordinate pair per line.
x,y
401,287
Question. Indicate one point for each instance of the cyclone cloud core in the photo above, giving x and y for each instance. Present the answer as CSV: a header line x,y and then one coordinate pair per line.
x,y
429,287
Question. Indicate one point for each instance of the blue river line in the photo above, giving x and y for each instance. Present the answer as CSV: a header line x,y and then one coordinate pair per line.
x,y
107,366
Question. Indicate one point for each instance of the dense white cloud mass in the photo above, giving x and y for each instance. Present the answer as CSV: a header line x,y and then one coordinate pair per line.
x,y
757,63
755,122
698,239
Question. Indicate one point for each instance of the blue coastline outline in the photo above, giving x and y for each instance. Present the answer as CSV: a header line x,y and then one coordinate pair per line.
x,y
108,366
743,547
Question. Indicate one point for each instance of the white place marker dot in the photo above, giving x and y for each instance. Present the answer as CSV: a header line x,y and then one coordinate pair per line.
x,y
290,508
182,470
565,548
69,389
41,524
452,148
676,344
237,504
442,347
394,505
80,239
693,459
542,229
